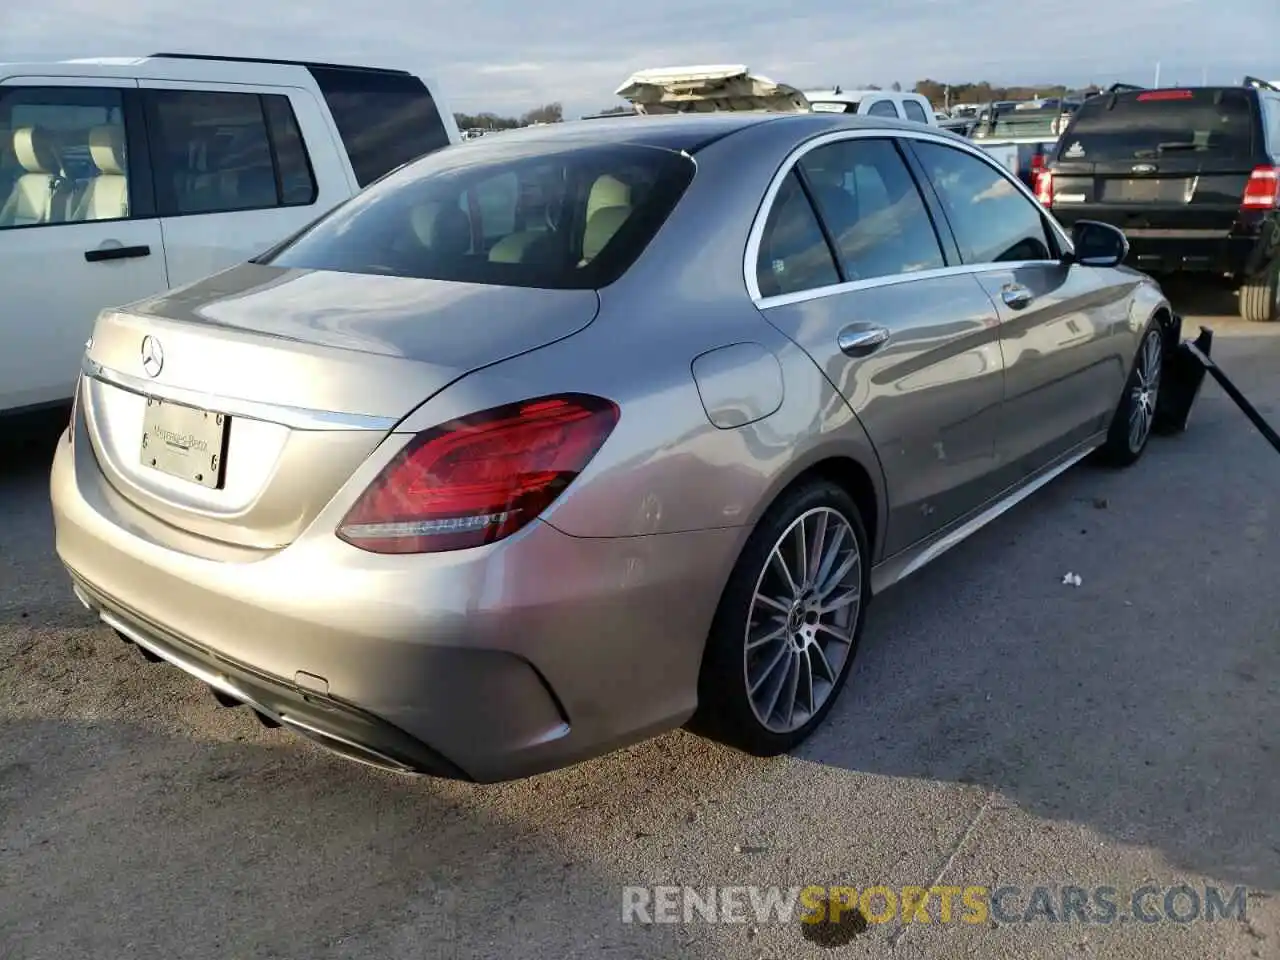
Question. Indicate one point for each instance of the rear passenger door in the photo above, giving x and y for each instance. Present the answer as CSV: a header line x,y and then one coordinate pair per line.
x,y
235,172
78,231
866,290
1059,323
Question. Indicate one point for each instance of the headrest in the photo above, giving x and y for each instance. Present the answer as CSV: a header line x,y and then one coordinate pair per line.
x,y
607,191
604,223
34,150
106,147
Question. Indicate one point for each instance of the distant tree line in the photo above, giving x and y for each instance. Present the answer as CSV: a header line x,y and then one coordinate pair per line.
x,y
940,93
547,113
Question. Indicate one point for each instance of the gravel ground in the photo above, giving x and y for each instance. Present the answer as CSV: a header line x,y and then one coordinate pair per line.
x,y
1001,728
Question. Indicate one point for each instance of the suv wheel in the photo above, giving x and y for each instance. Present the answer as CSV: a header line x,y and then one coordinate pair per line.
x,y
1260,296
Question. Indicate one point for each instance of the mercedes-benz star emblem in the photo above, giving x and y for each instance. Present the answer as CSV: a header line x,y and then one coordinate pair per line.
x,y
152,356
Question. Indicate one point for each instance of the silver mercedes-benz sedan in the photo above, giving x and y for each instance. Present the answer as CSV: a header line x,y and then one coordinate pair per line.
x,y
549,443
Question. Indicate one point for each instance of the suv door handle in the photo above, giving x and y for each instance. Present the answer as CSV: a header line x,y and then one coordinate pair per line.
x,y
116,253
1015,295
859,340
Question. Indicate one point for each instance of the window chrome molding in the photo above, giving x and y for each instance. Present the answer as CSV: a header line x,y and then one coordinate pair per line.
x,y
893,279
296,418
756,235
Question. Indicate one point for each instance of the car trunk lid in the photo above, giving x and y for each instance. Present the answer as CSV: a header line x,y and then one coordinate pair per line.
x,y
236,408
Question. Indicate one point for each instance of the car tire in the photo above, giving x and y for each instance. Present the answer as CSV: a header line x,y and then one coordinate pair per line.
x,y
786,630
1260,296
1135,416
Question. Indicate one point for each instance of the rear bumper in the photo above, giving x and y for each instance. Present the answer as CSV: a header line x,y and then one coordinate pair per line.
x,y
487,664
1241,251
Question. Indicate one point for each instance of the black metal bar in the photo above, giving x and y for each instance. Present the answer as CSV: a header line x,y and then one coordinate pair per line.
x,y
1223,381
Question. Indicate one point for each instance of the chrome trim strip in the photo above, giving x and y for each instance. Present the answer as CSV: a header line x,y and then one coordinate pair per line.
x,y
224,685
296,418
888,576
757,227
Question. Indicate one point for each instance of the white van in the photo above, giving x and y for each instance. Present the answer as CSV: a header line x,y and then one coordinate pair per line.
x,y
121,178
873,103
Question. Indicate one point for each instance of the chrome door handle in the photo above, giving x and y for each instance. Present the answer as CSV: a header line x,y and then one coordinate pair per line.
x,y
1015,295
861,341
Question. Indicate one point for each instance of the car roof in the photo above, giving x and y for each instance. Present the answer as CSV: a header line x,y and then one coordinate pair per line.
x,y
690,132
186,66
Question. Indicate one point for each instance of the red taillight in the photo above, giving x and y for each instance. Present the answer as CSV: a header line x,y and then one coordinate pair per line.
x,y
1166,95
480,478
1044,186
1262,192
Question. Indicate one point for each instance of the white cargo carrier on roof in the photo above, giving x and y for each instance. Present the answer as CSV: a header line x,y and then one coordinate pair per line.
x,y
707,88
121,177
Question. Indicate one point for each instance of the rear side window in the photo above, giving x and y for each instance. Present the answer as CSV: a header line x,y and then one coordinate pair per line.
x,y
1201,123
872,209
532,215
793,255
220,152
385,119
882,108
915,111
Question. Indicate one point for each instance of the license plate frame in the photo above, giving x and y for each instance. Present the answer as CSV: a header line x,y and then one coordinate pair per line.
x,y
1148,190
185,442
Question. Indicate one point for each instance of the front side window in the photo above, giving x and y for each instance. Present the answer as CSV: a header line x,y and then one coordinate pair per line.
x,y
63,156
993,221
872,209
510,214
794,254
882,108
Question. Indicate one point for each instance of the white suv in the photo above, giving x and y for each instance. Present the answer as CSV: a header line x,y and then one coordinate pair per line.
x,y
874,103
121,178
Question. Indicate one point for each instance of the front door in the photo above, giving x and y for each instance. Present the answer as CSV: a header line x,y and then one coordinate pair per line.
x,y
78,232
1059,323
914,351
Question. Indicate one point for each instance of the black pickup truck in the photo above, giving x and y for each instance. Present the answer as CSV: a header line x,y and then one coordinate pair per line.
x,y
1191,175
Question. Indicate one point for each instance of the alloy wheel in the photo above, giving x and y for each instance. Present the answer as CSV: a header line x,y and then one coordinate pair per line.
x,y
802,621
1146,390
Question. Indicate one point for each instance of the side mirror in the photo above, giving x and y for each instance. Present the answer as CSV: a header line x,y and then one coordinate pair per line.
x,y
1098,244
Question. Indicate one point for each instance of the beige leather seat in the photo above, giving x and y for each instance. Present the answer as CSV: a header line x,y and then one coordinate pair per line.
x,y
608,207
107,195
607,193
31,200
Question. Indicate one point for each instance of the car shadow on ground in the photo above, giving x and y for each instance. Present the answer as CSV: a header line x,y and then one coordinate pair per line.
x,y
1142,703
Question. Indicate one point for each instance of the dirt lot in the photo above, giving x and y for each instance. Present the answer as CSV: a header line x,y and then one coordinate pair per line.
x,y
1001,728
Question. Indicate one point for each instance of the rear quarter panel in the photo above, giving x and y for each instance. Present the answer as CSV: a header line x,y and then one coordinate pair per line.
x,y
666,468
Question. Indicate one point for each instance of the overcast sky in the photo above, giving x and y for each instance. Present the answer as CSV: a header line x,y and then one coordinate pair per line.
x,y
507,56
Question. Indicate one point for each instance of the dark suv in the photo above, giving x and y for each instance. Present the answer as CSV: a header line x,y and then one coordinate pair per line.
x,y
1191,175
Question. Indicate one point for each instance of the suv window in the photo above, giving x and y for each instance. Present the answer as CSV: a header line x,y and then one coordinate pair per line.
x,y
794,254
63,156
538,217
915,111
1271,109
222,152
993,221
872,209
385,119
1200,123
882,108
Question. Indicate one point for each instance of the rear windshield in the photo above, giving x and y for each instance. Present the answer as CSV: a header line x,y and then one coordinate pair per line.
x,y
1021,123
1209,124
513,213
